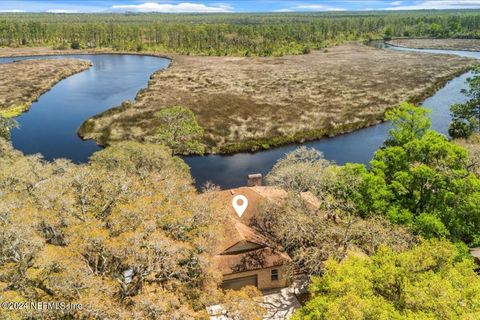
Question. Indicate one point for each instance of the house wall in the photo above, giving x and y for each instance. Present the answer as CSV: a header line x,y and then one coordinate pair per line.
x,y
264,281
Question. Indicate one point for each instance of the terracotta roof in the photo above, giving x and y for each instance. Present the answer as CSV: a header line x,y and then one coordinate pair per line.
x,y
257,258
254,198
257,194
243,238
251,260
242,232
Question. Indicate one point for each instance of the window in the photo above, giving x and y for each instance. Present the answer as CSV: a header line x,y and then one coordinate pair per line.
x,y
274,275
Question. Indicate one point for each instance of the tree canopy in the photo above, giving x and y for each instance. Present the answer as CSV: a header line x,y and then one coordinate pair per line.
x,y
427,181
244,34
433,280
365,265
127,235
408,123
6,124
179,130
466,116
124,235
419,179
311,235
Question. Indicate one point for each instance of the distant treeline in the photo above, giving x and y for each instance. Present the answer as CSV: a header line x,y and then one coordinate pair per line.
x,y
229,34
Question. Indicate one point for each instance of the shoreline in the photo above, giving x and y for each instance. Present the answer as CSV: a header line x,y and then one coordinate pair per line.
x,y
350,127
309,136
18,110
264,144
389,42
253,145
69,52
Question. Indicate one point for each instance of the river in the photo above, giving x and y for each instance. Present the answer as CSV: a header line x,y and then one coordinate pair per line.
x,y
51,124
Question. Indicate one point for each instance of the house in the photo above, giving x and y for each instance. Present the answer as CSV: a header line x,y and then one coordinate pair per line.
x,y
246,257
258,194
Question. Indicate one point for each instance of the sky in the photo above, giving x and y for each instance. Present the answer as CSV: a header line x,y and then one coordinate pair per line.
x,y
77,6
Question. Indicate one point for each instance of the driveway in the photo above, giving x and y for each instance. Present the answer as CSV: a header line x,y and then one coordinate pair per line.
x,y
280,304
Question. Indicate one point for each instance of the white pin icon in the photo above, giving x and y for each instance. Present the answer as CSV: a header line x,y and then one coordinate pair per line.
x,y
240,208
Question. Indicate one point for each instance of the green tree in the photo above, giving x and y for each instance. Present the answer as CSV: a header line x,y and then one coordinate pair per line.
x,y
466,116
433,280
419,179
435,30
430,186
6,124
179,130
388,33
232,34
460,129
313,234
409,123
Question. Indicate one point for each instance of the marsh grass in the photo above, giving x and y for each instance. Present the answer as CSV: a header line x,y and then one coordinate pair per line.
x,y
247,104
448,44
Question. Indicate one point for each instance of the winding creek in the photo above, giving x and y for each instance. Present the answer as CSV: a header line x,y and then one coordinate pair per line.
x,y
50,126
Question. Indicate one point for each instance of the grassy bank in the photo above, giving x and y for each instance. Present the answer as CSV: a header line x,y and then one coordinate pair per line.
x,y
248,104
444,44
23,82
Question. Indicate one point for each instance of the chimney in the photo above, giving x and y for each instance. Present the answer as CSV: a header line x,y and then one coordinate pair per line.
x,y
255,180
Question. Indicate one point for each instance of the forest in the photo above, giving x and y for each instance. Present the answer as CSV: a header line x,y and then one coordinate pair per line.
x,y
229,34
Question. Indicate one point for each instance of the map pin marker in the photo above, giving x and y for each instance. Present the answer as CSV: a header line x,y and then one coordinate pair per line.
x,y
240,208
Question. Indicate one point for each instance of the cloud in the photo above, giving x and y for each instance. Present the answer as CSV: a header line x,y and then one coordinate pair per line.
x,y
12,10
440,4
167,7
62,11
396,3
310,7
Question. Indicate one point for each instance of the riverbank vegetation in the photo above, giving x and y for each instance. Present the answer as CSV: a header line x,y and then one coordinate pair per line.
x,y
442,44
23,82
127,235
247,104
466,116
261,34
419,180
179,130
7,124
400,228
